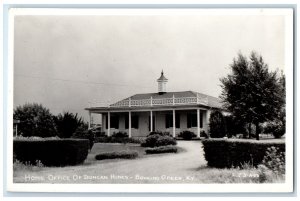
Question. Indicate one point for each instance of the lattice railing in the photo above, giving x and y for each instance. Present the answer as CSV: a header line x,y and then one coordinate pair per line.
x,y
155,102
161,101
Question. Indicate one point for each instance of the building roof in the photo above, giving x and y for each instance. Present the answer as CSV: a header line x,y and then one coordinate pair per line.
x,y
179,99
212,101
162,77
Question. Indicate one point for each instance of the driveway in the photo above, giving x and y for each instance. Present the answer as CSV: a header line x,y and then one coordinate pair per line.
x,y
167,168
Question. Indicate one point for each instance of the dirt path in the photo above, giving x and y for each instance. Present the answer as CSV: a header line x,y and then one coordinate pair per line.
x,y
168,168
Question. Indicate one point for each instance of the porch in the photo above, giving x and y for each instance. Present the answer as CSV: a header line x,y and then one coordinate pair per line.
x,y
138,123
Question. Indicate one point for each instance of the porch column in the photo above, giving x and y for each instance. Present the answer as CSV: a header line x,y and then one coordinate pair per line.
x,y
90,118
129,126
198,122
151,121
207,120
108,124
174,124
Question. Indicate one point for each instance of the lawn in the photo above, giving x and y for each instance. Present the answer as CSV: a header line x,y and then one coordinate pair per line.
x,y
113,147
188,166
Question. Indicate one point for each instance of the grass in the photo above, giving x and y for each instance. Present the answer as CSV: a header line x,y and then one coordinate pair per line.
x,y
99,148
237,175
189,162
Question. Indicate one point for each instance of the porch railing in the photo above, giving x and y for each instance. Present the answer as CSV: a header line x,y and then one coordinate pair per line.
x,y
155,102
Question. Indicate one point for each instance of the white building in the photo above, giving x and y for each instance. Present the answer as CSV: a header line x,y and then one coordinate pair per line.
x,y
164,111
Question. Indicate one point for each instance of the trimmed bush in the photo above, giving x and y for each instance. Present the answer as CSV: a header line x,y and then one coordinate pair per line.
x,y
187,135
156,140
163,149
51,152
159,133
126,154
203,134
120,135
227,153
110,139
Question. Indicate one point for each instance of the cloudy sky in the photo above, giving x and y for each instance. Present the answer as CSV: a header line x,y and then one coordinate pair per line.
x,y
65,62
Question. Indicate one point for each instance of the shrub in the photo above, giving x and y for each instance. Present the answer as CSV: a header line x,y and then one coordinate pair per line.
x,y
222,153
277,129
100,134
163,149
83,133
126,154
156,140
217,125
203,134
35,120
274,159
159,133
120,135
187,135
67,123
110,139
51,152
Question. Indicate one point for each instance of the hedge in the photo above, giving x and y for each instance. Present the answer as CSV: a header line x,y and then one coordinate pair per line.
x,y
187,135
156,140
120,154
110,139
51,152
227,153
163,149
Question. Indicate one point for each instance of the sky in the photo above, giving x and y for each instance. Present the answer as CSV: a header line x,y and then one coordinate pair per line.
x,y
67,62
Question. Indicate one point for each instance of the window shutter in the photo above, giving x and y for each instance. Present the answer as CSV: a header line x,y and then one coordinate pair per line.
x,y
149,123
167,121
117,122
106,121
177,117
126,122
189,121
135,122
201,119
171,120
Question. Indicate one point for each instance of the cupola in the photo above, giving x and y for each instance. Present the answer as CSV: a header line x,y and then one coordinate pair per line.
x,y
162,82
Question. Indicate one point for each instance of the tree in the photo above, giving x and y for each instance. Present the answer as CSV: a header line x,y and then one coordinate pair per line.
x,y
82,132
67,123
35,120
251,92
216,125
233,126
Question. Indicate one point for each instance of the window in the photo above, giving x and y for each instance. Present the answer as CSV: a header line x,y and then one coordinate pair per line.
x,y
169,120
114,122
134,121
192,120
